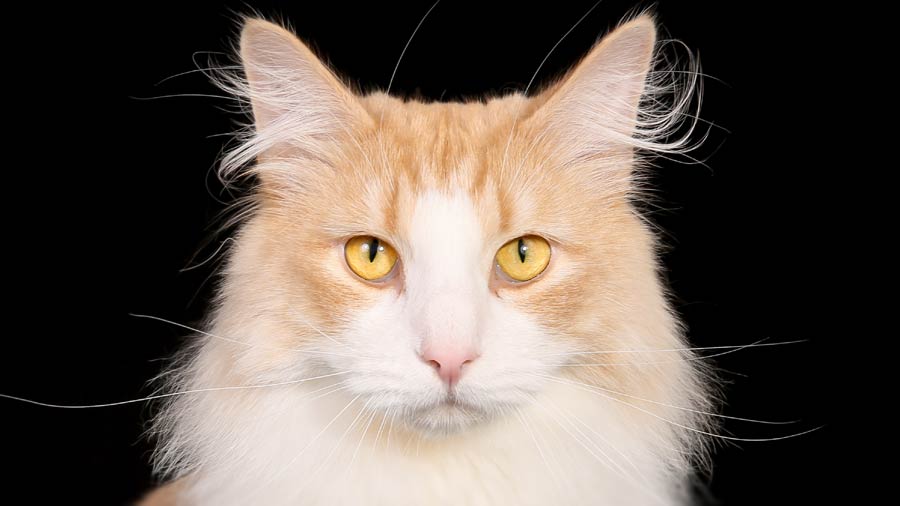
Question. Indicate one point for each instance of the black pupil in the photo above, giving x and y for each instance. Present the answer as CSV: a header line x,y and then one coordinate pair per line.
x,y
522,250
373,249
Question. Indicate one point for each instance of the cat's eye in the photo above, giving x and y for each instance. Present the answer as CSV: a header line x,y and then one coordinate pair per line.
x,y
524,258
369,257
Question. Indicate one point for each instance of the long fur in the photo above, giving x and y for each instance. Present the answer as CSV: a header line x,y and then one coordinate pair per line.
x,y
585,391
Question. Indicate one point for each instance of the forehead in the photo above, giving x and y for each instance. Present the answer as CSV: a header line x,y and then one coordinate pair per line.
x,y
431,156
446,145
475,161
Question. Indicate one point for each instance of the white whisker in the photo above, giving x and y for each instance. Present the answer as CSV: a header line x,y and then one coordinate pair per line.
x,y
327,460
323,334
601,437
612,462
361,439
384,417
690,410
308,445
537,71
390,430
170,394
550,446
236,341
540,451
757,344
403,53
307,398
202,70
184,95
215,253
688,359
692,429
605,461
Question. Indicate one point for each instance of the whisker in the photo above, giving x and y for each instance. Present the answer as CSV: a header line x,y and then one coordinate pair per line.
x,y
607,462
409,441
215,253
183,95
680,408
558,42
169,394
384,417
601,437
323,334
758,344
235,341
361,439
391,82
621,470
327,460
692,429
556,443
537,71
387,438
309,444
203,70
540,451
403,53
308,398
689,359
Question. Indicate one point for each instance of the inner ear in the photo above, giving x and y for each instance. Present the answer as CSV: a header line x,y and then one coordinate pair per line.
x,y
301,111
595,106
288,84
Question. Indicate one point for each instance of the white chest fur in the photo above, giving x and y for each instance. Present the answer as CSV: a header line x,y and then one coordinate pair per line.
x,y
566,448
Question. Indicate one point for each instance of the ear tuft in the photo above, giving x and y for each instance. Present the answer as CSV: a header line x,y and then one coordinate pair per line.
x,y
611,102
299,107
285,77
605,89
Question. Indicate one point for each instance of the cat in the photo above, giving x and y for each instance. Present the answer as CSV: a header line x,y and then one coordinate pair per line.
x,y
442,303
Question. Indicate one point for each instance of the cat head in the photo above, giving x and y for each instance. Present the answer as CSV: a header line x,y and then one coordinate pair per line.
x,y
447,260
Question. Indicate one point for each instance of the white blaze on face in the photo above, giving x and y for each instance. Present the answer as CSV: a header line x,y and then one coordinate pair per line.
x,y
445,353
446,281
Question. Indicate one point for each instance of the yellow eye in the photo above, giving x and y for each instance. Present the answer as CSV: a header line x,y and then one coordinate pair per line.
x,y
524,258
369,257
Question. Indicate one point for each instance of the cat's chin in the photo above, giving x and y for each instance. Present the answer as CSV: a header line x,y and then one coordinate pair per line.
x,y
446,418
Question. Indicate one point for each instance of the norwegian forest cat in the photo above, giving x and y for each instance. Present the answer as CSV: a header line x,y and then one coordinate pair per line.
x,y
442,303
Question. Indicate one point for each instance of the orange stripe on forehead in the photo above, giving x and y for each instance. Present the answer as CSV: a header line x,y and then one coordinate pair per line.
x,y
391,208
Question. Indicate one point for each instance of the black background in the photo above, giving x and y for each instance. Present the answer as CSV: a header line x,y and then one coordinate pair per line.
x,y
107,197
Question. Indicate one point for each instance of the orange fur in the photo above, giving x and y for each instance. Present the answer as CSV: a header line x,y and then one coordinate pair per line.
x,y
526,164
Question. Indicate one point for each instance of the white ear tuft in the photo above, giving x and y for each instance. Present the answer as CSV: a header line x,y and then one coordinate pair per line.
x,y
299,107
285,78
599,99
597,109
609,83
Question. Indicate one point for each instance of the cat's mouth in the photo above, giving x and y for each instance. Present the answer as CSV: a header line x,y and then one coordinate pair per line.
x,y
447,416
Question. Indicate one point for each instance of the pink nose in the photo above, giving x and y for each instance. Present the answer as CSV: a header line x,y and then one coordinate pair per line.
x,y
449,362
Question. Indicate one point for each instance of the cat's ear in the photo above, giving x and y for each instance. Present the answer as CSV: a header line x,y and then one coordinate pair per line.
x,y
594,109
291,92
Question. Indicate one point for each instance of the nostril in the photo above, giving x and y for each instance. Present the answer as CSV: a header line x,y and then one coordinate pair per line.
x,y
448,363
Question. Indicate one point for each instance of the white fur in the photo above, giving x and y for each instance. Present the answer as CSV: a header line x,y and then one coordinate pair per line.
x,y
445,302
535,460
524,440
380,432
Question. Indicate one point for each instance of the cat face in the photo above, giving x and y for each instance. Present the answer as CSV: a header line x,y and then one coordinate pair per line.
x,y
442,337
434,196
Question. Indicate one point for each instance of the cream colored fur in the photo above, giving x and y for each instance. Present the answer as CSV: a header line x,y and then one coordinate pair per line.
x,y
570,402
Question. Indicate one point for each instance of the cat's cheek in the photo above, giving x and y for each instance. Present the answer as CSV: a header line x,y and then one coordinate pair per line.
x,y
382,342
